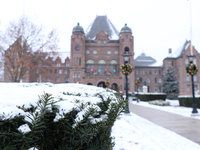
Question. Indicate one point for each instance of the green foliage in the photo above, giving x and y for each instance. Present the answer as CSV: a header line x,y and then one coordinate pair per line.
x,y
150,97
187,101
92,131
170,84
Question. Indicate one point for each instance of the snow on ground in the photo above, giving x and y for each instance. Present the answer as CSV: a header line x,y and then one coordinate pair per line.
x,y
130,132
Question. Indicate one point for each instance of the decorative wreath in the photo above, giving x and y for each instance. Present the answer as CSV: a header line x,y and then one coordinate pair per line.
x,y
128,69
137,82
107,83
192,69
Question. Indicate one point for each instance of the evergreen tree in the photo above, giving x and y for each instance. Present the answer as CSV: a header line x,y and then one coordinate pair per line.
x,y
170,84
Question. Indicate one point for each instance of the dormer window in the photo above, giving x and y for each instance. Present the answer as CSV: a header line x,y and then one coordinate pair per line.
x,y
58,64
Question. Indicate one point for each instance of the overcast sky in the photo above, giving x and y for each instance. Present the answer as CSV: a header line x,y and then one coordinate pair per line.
x,y
157,25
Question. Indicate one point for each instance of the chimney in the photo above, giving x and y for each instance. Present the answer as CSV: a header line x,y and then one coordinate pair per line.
x,y
170,50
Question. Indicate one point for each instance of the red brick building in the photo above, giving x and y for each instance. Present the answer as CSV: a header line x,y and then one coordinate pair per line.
x,y
96,56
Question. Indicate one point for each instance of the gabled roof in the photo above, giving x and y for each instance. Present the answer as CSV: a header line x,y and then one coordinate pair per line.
x,y
180,51
146,61
101,23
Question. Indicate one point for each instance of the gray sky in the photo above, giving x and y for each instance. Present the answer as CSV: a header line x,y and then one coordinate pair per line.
x,y
157,25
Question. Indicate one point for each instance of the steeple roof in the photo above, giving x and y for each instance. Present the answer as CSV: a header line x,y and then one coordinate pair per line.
x,y
102,23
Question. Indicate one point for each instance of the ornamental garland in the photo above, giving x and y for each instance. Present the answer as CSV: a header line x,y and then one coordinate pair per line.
x,y
107,83
192,69
137,82
128,68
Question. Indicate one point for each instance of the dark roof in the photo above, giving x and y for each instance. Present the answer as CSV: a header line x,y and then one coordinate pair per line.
x,y
143,60
101,23
126,29
78,28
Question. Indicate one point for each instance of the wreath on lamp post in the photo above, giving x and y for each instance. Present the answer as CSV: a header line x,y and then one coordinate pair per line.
x,y
107,83
128,68
137,82
192,69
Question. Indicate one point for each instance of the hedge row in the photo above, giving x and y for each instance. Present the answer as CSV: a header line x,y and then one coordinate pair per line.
x,y
150,97
187,101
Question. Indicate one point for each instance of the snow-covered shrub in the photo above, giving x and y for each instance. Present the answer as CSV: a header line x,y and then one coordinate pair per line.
x,y
159,102
86,126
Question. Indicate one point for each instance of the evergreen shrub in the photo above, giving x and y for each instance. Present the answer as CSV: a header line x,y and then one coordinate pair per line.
x,y
48,128
187,101
151,96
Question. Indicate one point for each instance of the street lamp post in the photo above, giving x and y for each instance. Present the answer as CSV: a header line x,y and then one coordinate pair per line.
x,y
194,111
126,59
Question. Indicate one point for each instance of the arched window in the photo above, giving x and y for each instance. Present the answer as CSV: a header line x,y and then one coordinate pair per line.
x,y
113,66
101,66
89,84
75,75
89,65
79,75
126,49
48,80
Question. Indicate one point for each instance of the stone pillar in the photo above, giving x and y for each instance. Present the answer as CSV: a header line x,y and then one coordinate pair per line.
x,y
144,89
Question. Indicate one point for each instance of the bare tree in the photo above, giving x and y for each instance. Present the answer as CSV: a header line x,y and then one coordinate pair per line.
x,y
23,41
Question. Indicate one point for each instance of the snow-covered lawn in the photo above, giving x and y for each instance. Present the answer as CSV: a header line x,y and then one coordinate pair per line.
x,y
131,132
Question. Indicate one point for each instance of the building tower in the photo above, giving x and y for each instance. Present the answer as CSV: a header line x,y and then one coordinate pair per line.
x,y
77,61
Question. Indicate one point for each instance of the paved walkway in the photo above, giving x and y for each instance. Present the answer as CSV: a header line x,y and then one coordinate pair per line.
x,y
184,126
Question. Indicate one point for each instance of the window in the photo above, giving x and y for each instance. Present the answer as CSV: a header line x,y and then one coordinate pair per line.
x,y
195,78
50,71
142,72
94,51
149,89
169,62
126,36
66,80
75,75
159,80
187,78
155,88
149,71
60,71
155,80
104,41
194,61
87,51
148,80
146,72
186,61
140,80
65,71
155,72
101,66
79,75
188,88
138,72
67,64
48,79
195,88
58,64
159,72
57,79
109,52
89,65
160,89
113,66
77,36
79,61
172,63
99,41
116,52
55,70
